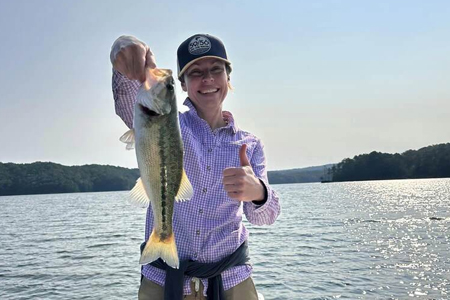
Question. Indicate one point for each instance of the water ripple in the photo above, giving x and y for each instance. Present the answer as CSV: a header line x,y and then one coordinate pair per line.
x,y
364,240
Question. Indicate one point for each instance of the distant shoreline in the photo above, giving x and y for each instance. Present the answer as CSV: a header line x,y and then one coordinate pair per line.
x,y
51,178
355,181
428,162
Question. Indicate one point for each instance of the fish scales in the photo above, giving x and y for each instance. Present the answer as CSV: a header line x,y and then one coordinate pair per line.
x,y
164,166
159,153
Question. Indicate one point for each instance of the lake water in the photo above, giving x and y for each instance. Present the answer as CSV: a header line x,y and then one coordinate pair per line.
x,y
356,240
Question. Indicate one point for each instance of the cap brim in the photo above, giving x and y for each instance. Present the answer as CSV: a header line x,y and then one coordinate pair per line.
x,y
197,59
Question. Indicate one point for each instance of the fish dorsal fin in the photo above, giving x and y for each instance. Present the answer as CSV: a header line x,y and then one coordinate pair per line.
x,y
185,192
138,196
128,138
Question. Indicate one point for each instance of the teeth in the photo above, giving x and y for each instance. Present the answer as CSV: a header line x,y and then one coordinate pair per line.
x,y
209,91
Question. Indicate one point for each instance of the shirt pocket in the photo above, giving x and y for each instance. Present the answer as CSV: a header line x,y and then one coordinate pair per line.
x,y
229,152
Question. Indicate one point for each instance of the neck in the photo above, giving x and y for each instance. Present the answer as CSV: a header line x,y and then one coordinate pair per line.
x,y
214,118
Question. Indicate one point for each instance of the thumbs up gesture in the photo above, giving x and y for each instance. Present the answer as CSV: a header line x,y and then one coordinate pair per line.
x,y
241,183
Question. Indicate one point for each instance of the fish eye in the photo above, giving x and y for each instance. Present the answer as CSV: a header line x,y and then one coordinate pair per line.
x,y
169,87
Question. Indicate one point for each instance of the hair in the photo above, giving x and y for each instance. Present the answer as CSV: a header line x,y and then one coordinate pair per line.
x,y
227,69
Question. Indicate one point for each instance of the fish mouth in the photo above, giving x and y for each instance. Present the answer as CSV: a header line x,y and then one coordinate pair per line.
x,y
149,112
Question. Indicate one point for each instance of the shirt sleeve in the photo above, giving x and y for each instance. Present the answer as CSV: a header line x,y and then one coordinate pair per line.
x,y
267,213
124,93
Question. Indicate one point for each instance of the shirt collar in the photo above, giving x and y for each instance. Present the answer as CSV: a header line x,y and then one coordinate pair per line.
x,y
227,116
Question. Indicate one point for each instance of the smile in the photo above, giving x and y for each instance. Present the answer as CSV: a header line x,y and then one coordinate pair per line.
x,y
210,91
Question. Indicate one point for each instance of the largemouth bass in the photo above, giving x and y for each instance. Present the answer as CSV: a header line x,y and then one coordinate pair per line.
x,y
159,152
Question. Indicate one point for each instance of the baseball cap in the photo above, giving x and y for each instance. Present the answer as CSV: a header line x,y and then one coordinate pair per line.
x,y
197,47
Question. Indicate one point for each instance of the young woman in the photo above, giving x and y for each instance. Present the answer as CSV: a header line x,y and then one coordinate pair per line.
x,y
225,165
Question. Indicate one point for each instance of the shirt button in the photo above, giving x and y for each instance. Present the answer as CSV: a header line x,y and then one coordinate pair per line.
x,y
208,168
209,150
197,232
205,190
195,255
200,210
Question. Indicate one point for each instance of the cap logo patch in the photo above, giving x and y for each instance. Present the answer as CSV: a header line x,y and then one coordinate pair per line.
x,y
199,45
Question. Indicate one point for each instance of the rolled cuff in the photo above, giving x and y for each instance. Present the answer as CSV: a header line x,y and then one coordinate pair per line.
x,y
266,213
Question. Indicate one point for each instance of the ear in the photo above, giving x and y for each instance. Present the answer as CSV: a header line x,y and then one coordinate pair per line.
x,y
183,86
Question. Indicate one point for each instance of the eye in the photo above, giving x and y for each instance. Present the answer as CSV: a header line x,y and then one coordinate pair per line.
x,y
170,83
217,70
195,73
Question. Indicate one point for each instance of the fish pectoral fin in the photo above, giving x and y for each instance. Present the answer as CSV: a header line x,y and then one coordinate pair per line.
x,y
138,196
128,138
185,192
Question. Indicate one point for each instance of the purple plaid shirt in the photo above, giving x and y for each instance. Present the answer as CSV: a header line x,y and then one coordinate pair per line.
x,y
209,226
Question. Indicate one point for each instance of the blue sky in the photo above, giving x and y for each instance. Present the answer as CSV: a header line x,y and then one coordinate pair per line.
x,y
318,81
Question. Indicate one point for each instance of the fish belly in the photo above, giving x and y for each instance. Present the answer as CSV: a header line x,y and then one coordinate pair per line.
x,y
160,159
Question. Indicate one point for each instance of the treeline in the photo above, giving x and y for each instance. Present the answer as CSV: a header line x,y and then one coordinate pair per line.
x,y
47,178
429,162
302,175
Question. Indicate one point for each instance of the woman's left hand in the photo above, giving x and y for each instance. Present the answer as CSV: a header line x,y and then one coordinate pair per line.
x,y
241,183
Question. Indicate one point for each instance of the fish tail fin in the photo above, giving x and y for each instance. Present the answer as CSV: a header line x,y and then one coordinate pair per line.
x,y
156,248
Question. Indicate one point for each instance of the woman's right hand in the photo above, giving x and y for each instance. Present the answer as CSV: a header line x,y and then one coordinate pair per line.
x,y
131,57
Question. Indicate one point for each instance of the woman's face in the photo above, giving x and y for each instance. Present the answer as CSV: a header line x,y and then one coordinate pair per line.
x,y
206,82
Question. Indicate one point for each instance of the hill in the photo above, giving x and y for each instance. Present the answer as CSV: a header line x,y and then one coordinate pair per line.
x,y
49,177
302,175
428,162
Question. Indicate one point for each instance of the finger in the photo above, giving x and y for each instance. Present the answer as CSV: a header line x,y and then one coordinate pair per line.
x,y
150,61
230,188
120,65
229,172
243,156
234,187
235,180
139,68
228,180
235,195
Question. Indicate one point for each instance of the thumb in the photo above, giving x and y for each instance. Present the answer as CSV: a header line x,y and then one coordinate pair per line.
x,y
243,156
150,61
149,64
